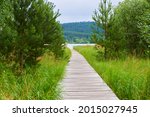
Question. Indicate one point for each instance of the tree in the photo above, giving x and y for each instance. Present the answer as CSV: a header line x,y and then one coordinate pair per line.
x,y
127,31
128,16
36,25
102,17
7,33
144,29
24,33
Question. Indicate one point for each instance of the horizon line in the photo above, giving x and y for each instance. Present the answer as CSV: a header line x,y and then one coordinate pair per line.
x,y
73,22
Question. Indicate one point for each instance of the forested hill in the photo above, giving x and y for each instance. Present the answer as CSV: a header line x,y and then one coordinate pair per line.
x,y
78,32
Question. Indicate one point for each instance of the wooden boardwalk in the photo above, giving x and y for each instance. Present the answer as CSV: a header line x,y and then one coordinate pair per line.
x,y
83,83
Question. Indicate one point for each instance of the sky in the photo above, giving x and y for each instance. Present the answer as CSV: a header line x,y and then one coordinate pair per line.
x,y
77,10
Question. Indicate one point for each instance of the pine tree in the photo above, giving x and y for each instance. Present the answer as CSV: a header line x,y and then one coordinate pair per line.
x,y
24,32
102,17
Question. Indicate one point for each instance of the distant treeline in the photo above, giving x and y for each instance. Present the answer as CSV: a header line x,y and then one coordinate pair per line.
x,y
78,32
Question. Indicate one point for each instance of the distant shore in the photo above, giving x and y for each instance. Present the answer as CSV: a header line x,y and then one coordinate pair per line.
x,y
72,45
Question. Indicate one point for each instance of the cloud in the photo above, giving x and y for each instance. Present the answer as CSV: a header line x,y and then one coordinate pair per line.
x,y
77,10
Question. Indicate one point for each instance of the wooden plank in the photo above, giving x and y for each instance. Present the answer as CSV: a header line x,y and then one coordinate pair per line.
x,y
83,83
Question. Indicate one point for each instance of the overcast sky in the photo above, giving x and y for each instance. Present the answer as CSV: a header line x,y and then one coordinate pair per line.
x,y
77,10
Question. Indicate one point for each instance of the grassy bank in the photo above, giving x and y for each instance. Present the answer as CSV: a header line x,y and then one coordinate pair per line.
x,y
129,78
40,83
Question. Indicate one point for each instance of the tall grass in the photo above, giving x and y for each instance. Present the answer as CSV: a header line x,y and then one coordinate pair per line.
x,y
39,83
129,78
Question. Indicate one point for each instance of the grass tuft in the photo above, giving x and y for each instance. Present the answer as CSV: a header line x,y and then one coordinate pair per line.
x,y
129,78
39,83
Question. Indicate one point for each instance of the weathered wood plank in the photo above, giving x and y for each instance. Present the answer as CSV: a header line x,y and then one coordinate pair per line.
x,y
83,83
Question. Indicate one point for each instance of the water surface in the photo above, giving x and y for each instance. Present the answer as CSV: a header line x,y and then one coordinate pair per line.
x,y
72,45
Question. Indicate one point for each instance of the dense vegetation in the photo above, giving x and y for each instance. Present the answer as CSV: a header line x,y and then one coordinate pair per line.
x,y
128,78
122,51
28,30
25,31
126,28
38,83
78,32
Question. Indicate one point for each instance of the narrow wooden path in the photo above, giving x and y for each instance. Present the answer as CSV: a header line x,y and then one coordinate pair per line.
x,y
83,83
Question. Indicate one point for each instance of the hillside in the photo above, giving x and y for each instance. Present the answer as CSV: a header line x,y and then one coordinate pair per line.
x,y
78,32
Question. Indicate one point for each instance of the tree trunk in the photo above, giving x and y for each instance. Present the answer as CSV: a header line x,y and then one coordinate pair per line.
x,y
105,54
21,62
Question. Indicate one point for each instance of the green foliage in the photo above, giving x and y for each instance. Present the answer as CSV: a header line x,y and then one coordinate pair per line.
x,y
25,31
78,32
102,18
144,30
29,32
57,42
127,29
129,14
84,27
7,33
128,78
36,83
